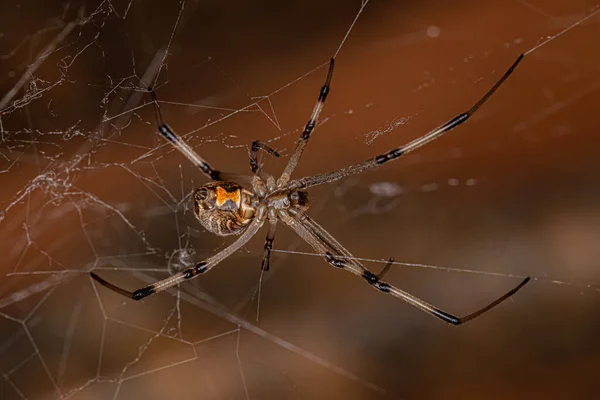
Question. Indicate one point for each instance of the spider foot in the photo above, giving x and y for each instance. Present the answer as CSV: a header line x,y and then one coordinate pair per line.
x,y
386,268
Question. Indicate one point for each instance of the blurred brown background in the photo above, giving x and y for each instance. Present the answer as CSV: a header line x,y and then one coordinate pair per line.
x,y
86,183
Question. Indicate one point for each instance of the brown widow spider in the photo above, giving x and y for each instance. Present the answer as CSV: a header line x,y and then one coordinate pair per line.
x,y
224,207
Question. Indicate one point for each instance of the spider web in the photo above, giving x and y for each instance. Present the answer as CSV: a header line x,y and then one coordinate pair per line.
x,y
87,184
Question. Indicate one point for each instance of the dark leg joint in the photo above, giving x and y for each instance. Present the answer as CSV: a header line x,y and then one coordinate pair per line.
x,y
267,256
167,133
389,156
395,153
374,281
444,316
336,262
308,130
383,287
370,277
201,268
454,122
323,93
141,293
197,270
325,89
381,159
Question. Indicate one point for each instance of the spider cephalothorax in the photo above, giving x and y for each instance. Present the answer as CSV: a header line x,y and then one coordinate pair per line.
x,y
226,208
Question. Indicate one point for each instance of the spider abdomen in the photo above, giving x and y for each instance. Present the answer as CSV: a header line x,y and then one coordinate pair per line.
x,y
224,208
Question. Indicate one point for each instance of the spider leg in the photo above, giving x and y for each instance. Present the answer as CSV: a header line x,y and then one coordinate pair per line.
x,y
190,273
310,126
256,169
269,243
177,142
400,151
387,267
336,255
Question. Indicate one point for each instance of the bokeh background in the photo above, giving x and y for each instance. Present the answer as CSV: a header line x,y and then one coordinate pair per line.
x,y
87,184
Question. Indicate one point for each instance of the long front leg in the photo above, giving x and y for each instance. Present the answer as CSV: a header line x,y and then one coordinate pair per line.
x,y
177,142
401,151
308,129
189,273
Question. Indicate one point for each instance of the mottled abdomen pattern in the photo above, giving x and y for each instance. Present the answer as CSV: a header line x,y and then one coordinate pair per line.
x,y
224,208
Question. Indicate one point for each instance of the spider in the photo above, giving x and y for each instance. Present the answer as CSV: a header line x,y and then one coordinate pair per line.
x,y
225,207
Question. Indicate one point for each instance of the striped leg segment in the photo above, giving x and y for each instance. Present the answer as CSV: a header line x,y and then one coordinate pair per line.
x,y
190,273
266,261
177,142
337,256
400,151
308,129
